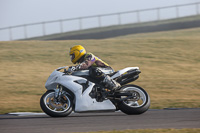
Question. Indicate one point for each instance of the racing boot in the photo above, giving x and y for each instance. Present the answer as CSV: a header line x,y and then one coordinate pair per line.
x,y
110,83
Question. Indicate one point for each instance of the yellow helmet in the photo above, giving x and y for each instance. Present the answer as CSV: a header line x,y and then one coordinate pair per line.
x,y
76,53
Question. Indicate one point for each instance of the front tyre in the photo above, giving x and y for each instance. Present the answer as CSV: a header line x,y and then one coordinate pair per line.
x,y
54,107
137,104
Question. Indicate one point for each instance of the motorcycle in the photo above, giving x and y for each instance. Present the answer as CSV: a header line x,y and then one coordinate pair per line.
x,y
78,92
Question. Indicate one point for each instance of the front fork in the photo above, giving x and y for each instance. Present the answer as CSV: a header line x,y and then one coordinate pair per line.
x,y
58,92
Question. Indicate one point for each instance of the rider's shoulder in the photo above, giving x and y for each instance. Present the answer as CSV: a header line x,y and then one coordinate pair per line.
x,y
89,55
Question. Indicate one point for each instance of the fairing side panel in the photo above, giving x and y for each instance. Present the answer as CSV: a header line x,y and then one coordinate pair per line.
x,y
83,101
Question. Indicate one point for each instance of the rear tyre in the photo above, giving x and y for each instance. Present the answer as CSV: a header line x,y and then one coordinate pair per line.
x,y
138,104
54,108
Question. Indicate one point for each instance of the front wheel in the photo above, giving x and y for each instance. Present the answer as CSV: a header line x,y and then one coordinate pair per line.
x,y
54,107
138,103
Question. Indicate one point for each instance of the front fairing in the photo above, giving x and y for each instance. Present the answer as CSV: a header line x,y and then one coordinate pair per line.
x,y
65,80
50,83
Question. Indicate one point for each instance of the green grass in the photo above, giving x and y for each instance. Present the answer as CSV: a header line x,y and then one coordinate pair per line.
x,y
169,62
152,131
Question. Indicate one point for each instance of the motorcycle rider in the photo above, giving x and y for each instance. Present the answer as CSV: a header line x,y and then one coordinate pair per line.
x,y
93,64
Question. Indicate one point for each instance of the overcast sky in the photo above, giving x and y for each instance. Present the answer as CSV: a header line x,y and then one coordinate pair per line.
x,y
17,12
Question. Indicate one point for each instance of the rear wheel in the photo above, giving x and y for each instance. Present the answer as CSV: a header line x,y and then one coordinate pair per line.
x,y
54,107
137,104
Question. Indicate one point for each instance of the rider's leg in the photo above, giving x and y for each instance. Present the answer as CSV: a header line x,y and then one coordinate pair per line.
x,y
104,79
110,83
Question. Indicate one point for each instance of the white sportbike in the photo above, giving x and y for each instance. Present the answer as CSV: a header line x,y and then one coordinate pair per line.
x,y
78,92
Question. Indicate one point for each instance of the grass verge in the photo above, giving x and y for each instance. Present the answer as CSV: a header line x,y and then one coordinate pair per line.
x,y
152,131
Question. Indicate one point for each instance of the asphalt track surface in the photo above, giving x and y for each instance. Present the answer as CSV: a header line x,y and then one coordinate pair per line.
x,y
85,122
